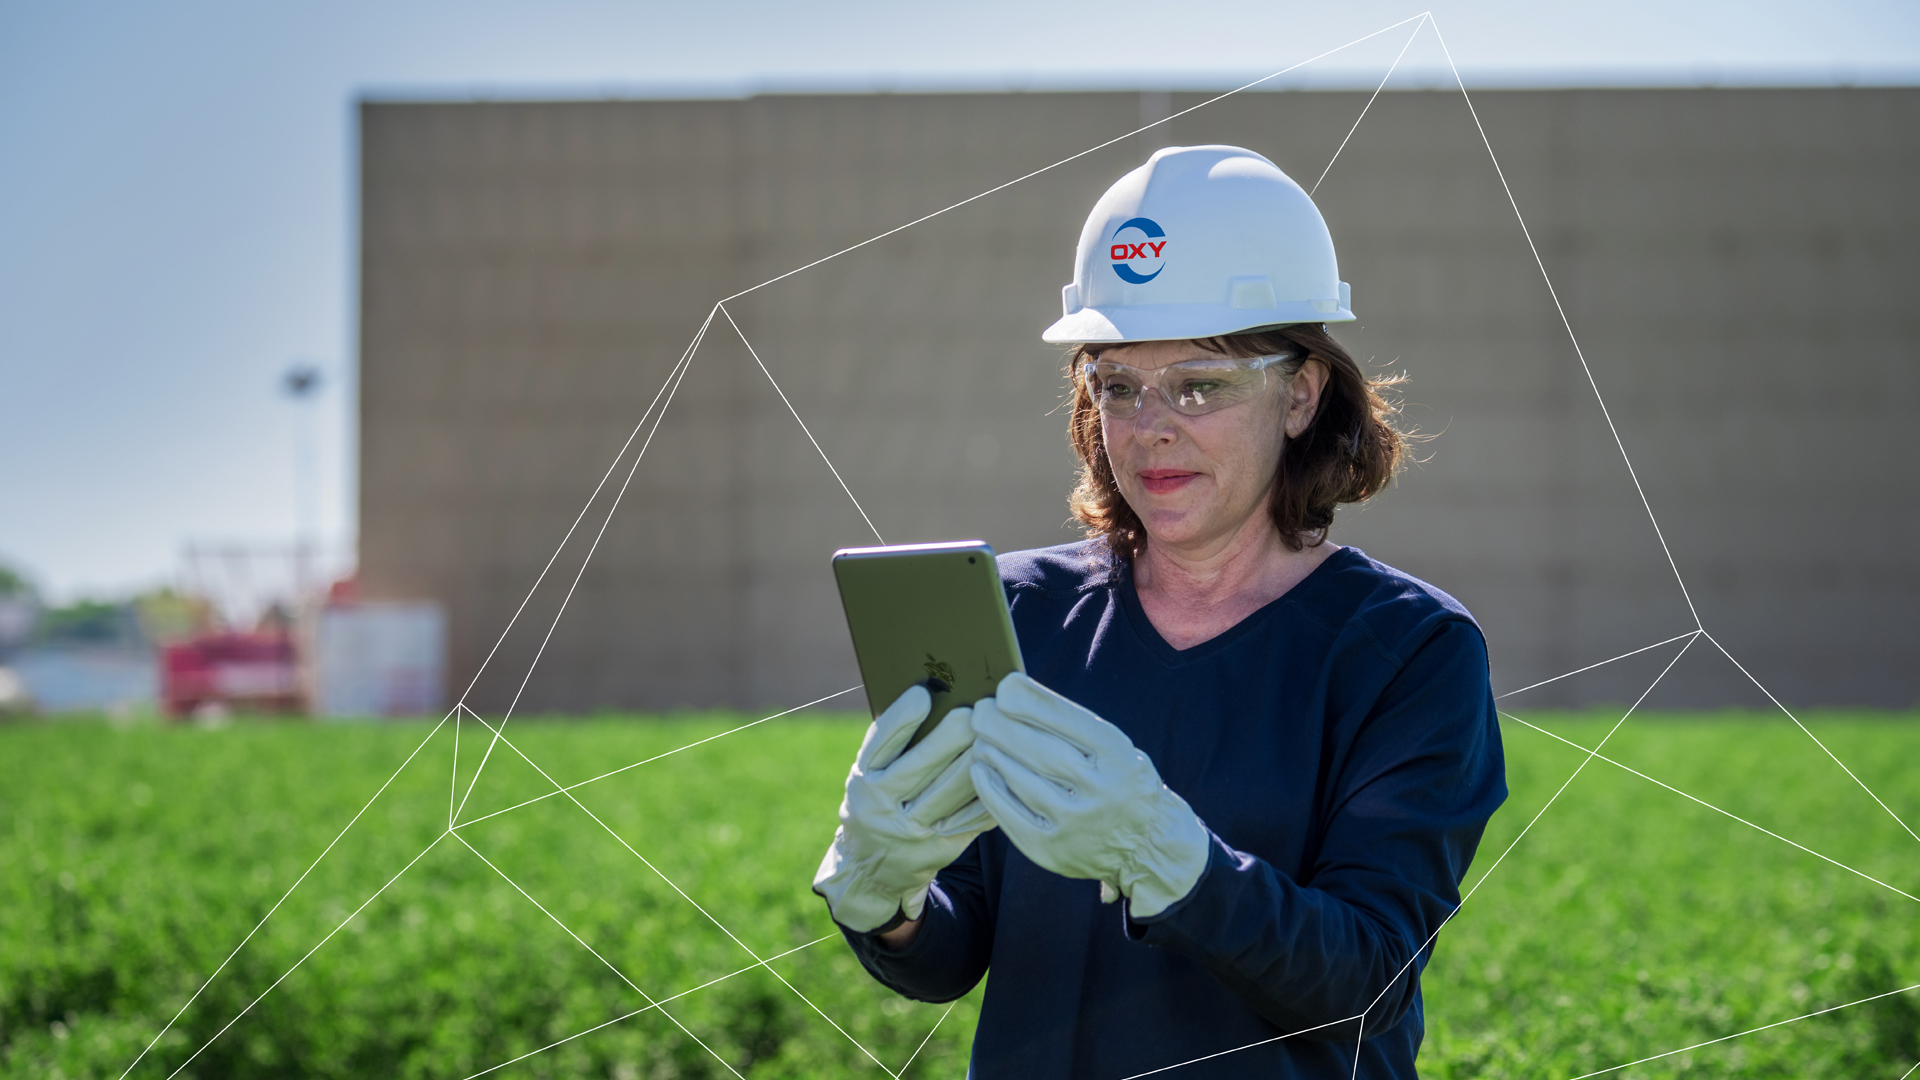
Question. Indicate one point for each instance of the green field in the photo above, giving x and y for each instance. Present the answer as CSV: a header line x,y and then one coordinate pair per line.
x,y
1628,922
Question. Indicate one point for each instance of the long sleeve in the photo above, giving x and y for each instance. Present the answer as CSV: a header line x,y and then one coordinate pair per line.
x,y
1410,787
950,953
1340,744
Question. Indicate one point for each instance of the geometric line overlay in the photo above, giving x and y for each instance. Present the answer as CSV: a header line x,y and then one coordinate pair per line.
x,y
650,421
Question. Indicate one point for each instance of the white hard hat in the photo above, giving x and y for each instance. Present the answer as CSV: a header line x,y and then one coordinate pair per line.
x,y
1198,242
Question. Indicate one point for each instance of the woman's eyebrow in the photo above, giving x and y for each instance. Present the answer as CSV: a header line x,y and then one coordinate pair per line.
x,y
1170,363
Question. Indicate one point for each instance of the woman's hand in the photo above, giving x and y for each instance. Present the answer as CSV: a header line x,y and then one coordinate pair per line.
x,y
906,816
1076,796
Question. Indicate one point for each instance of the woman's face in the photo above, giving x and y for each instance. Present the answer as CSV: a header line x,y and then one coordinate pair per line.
x,y
1195,480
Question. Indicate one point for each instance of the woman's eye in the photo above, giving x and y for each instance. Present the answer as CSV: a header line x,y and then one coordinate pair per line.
x,y
1118,390
1198,389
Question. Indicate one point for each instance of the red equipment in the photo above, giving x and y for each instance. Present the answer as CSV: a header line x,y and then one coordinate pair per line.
x,y
240,672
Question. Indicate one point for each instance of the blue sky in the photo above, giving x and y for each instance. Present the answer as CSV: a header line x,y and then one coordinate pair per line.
x,y
176,211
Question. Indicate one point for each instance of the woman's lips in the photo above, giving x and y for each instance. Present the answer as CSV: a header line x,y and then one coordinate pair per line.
x,y
1162,481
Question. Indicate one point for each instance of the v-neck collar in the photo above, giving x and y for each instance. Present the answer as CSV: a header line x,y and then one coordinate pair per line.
x,y
1149,635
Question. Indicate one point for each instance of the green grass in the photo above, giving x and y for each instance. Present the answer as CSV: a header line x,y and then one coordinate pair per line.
x,y
1631,921
1626,923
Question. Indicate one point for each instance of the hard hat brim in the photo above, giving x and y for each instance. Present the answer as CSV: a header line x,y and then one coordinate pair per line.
x,y
1181,322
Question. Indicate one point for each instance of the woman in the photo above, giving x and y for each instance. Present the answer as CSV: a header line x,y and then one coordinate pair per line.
x,y
1275,752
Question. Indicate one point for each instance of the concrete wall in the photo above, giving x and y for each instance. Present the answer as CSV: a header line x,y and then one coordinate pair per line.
x,y
1737,265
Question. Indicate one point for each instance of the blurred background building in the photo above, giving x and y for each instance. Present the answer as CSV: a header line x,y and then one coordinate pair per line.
x,y
263,629
1738,265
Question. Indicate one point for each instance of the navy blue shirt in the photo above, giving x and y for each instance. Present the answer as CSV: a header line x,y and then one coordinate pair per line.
x,y
1341,745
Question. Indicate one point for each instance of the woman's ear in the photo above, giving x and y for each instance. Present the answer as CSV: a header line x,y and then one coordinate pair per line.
x,y
1303,396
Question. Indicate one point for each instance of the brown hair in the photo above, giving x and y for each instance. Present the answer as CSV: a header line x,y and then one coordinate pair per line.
x,y
1350,450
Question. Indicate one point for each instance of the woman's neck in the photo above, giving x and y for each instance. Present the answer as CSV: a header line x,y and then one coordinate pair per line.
x,y
1193,593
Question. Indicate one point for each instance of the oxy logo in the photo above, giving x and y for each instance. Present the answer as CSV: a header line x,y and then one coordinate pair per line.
x,y
1138,251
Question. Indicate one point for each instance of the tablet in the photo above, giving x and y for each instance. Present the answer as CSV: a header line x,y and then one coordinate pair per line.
x,y
931,614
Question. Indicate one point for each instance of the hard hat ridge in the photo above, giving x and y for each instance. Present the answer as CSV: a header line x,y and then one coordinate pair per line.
x,y
1200,241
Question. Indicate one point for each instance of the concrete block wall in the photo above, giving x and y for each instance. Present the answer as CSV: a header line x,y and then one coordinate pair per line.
x,y
1736,265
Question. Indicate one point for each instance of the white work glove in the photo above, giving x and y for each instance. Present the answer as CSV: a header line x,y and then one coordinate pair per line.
x,y
1077,797
906,816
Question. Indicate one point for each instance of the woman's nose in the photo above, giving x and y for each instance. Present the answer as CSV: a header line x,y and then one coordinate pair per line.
x,y
1156,418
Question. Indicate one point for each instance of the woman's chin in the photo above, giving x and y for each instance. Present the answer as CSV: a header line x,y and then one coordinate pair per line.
x,y
1173,527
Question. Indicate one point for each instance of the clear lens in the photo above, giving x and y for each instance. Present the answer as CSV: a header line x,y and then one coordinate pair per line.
x,y
1191,388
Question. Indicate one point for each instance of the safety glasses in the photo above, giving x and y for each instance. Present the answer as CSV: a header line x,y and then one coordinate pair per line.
x,y
1190,388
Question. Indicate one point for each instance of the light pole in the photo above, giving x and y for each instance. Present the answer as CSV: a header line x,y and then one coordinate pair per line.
x,y
302,384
